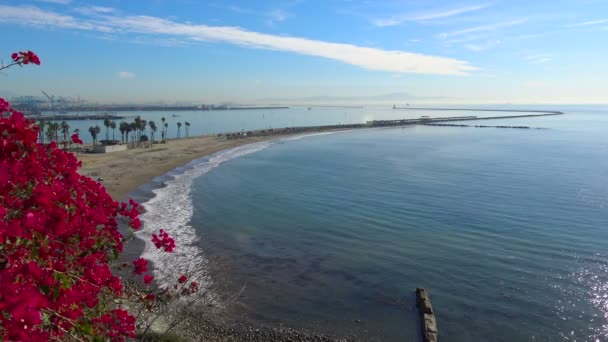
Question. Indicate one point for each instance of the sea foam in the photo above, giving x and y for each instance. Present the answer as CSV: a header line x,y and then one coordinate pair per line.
x,y
171,209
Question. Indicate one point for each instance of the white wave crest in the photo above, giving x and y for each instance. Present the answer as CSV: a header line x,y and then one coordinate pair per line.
x,y
171,209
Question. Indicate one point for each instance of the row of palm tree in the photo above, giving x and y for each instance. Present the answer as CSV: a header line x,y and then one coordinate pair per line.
x,y
165,127
49,132
131,132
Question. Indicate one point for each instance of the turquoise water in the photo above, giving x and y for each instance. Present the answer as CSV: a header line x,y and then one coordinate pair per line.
x,y
506,228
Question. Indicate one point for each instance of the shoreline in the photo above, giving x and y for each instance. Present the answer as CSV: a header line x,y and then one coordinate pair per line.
x,y
125,172
136,173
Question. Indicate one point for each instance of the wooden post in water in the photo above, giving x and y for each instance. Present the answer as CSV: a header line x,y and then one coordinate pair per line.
x,y
427,316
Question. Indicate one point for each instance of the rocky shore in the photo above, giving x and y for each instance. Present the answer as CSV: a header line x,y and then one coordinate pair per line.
x,y
184,321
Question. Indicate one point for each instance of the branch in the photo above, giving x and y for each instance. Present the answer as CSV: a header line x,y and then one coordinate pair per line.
x,y
8,66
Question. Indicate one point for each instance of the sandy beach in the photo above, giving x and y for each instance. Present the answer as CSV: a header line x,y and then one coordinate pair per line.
x,y
125,171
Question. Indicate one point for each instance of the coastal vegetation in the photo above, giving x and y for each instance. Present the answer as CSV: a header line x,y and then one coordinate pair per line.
x,y
60,242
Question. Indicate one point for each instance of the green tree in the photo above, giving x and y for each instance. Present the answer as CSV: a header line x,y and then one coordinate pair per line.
x,y
93,131
41,126
65,130
113,126
106,122
123,128
153,127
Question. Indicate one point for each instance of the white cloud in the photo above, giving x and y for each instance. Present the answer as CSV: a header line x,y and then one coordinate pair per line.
x,y
484,28
92,10
60,2
278,15
30,15
589,23
364,57
539,59
482,47
126,74
397,20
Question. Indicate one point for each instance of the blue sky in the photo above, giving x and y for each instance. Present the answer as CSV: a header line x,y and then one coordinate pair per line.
x,y
507,51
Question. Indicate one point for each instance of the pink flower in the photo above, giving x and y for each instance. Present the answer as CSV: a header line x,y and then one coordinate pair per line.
x,y
141,266
76,139
182,279
148,279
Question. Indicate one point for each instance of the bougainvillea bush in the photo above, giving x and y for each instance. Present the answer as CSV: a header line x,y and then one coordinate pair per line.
x,y
59,234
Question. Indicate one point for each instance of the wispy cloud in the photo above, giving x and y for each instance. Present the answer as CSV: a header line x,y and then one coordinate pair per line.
x,y
484,28
60,2
278,15
91,10
484,46
363,57
126,74
539,59
273,16
589,23
30,15
439,14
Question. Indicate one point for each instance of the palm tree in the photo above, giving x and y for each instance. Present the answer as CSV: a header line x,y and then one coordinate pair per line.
x,y
106,122
187,128
65,130
142,129
52,131
127,131
41,125
77,131
163,127
49,132
133,128
93,132
113,126
166,130
123,127
152,125
179,126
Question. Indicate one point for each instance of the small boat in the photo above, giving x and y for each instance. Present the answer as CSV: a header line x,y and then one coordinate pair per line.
x,y
174,115
308,108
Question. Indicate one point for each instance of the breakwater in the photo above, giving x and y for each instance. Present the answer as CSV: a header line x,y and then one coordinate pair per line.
x,y
482,110
63,117
428,321
481,126
376,123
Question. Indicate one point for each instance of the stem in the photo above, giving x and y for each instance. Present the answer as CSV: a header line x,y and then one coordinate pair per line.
x,y
8,66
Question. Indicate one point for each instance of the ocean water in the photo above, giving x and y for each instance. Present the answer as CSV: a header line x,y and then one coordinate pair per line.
x,y
506,228
213,122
